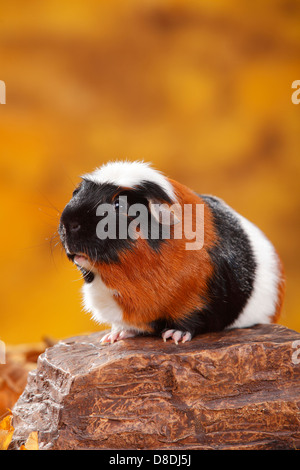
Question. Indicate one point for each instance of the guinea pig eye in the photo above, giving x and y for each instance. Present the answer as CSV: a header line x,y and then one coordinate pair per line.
x,y
121,204
118,204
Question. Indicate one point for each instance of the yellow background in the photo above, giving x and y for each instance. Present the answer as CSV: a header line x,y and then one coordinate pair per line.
x,y
200,88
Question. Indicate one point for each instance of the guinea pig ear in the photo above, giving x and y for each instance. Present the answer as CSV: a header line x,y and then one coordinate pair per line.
x,y
164,213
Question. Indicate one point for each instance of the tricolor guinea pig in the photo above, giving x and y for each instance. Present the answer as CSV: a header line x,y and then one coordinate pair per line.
x,y
145,283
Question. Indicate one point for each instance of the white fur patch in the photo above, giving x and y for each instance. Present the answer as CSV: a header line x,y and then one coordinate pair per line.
x,y
261,305
130,174
100,301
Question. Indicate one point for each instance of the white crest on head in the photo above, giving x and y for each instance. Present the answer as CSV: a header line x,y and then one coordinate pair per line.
x,y
130,174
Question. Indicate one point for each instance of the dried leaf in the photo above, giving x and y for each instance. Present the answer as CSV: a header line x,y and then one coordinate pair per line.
x,y
31,443
20,359
6,432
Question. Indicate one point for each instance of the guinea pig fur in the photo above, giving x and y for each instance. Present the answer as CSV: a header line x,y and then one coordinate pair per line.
x,y
146,285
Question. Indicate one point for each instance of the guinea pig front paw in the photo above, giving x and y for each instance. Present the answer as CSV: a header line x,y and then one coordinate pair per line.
x,y
177,336
118,335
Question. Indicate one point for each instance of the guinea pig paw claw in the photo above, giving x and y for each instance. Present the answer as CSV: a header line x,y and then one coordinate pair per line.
x,y
186,337
106,339
177,336
167,334
114,336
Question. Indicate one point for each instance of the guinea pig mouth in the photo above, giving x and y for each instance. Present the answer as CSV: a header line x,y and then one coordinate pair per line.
x,y
81,260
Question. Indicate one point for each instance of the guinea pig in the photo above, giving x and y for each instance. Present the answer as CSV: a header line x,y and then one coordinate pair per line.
x,y
166,285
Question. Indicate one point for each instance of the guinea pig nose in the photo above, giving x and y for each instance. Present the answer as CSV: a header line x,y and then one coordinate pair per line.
x,y
74,226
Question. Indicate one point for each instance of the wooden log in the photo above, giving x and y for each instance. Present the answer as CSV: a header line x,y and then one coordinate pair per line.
x,y
238,389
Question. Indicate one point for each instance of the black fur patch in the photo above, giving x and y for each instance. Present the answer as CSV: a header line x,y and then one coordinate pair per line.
x,y
152,191
88,276
142,194
232,281
80,212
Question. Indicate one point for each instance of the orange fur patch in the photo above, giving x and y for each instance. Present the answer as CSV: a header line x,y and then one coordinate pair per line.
x,y
168,284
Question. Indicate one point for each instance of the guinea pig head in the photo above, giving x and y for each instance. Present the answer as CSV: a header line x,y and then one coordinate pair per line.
x,y
110,210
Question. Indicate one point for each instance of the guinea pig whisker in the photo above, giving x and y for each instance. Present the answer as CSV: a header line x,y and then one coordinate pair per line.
x,y
49,202
76,280
94,206
56,216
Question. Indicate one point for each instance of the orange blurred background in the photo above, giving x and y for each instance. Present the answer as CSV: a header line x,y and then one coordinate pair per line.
x,y
201,89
